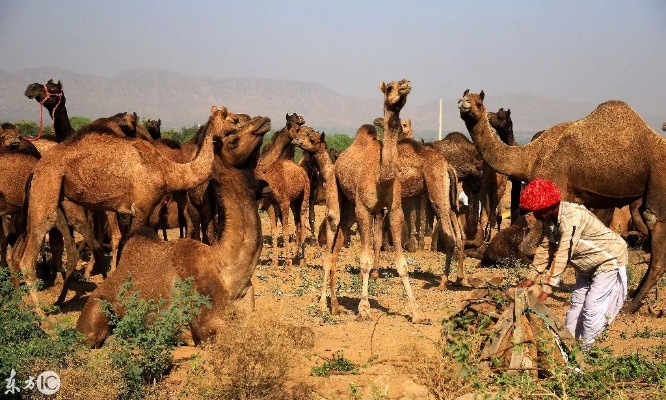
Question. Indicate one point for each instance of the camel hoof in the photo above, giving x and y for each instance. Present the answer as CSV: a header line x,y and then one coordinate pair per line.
x,y
410,247
421,320
363,316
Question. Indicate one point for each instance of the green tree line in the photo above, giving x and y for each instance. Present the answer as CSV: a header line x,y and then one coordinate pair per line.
x,y
338,141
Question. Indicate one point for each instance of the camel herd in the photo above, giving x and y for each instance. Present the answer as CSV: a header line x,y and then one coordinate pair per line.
x,y
117,181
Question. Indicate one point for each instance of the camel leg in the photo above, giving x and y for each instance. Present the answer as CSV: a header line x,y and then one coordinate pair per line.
x,y
193,212
113,228
78,218
3,245
423,203
409,212
304,212
334,242
299,249
272,219
365,223
183,224
286,243
377,236
72,253
396,219
656,268
516,187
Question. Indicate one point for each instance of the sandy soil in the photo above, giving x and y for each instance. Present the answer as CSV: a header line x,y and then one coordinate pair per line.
x,y
389,338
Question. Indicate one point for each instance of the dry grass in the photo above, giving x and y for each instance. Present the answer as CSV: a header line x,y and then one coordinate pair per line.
x,y
252,359
90,376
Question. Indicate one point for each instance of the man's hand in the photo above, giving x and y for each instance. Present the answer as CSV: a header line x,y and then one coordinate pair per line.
x,y
542,297
525,283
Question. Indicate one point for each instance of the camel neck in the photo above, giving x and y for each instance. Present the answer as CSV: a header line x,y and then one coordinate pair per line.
x,y
61,125
189,175
504,159
389,152
238,245
272,152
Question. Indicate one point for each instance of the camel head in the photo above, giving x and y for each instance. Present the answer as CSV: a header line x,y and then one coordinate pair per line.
x,y
308,139
502,123
406,125
243,143
10,138
294,120
663,127
154,128
50,94
395,93
126,122
472,104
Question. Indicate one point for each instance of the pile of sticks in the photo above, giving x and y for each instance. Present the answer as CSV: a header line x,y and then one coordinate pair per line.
x,y
525,335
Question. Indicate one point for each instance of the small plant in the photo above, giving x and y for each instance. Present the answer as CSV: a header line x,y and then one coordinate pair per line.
x,y
23,341
148,331
338,364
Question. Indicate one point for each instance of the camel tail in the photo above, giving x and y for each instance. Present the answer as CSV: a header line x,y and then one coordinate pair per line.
x,y
22,223
453,188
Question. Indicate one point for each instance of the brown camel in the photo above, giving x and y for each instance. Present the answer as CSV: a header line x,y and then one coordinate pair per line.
x,y
424,171
366,175
154,128
17,161
663,127
594,162
407,132
116,174
290,189
222,271
317,191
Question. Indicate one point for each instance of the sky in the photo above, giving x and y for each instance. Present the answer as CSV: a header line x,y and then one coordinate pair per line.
x,y
584,51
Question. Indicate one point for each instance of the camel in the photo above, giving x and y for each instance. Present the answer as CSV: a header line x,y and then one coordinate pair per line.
x,y
223,271
366,175
594,162
317,191
501,121
17,160
407,132
154,128
424,171
290,189
663,127
116,174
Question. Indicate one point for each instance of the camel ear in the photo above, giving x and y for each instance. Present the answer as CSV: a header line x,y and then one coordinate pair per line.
x,y
482,95
501,109
59,85
465,92
508,112
286,116
159,122
323,136
224,111
50,82
382,86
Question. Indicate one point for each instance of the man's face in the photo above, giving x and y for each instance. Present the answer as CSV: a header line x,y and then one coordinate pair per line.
x,y
548,213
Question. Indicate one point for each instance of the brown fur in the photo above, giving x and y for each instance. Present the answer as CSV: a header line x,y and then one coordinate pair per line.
x,y
366,176
154,128
594,162
222,271
116,174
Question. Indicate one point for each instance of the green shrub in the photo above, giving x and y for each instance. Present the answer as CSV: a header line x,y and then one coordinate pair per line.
x,y
24,343
336,364
148,331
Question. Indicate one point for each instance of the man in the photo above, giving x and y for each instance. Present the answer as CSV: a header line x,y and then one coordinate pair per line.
x,y
572,234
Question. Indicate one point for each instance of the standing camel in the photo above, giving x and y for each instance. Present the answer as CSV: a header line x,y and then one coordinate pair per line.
x,y
594,161
366,175
101,171
222,271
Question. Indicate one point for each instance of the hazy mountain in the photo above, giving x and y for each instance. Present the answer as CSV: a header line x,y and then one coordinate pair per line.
x,y
181,100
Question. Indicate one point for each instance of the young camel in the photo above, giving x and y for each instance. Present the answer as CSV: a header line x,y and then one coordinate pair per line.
x,y
594,161
290,189
117,174
366,175
222,271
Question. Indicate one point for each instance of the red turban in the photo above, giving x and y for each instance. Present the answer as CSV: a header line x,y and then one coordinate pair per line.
x,y
539,194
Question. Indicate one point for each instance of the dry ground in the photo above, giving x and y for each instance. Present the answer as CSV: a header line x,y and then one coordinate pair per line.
x,y
385,346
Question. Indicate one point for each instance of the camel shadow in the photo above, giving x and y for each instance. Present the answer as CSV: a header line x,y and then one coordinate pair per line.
x,y
350,305
82,290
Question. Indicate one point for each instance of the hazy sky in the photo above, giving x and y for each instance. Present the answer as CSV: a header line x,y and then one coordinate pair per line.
x,y
587,51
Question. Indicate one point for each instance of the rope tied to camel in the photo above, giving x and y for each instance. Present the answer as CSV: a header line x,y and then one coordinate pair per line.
x,y
41,113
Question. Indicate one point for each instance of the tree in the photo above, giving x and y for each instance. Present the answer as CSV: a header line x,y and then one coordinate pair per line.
x,y
78,122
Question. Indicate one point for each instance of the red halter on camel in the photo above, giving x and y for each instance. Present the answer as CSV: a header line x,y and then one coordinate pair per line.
x,y
41,112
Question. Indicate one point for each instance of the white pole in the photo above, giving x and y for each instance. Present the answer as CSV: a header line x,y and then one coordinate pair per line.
x,y
440,119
